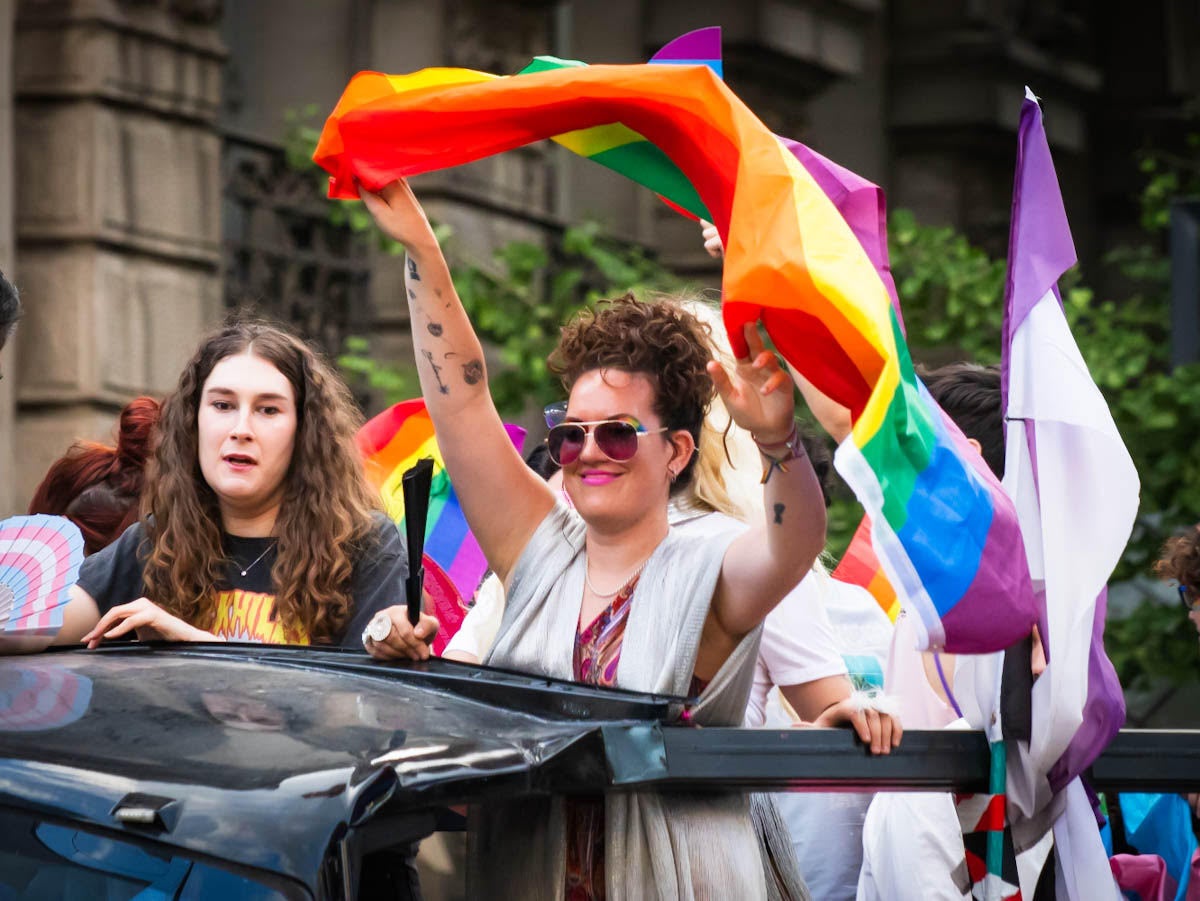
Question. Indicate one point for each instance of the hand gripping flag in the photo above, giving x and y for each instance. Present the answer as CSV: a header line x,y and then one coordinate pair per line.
x,y
947,535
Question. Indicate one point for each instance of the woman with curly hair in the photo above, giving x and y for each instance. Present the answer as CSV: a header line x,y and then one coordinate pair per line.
x,y
606,593
257,523
1180,562
99,487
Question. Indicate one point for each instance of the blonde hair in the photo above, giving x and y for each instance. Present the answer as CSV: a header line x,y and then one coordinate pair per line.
x,y
727,469
728,475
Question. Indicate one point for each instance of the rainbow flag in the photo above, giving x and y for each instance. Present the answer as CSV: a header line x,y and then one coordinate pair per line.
x,y
454,563
861,203
624,150
941,525
860,566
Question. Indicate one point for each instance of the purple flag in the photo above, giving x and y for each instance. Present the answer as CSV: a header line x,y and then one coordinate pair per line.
x,y
1067,470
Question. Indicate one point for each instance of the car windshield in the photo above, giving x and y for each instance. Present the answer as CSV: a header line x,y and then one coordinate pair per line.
x,y
47,860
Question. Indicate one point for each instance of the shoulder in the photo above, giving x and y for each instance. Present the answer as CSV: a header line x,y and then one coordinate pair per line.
x,y
383,538
114,575
131,545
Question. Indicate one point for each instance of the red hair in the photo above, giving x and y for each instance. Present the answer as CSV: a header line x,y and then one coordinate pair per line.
x,y
98,487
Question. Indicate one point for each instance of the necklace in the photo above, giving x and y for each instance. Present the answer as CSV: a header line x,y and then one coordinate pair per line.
x,y
608,594
270,548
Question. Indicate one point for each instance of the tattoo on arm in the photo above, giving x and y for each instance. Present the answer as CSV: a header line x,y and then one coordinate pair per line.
x,y
437,372
412,270
435,329
473,372
779,508
412,295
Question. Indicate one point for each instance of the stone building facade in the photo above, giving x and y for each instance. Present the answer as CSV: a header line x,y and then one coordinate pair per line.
x,y
144,189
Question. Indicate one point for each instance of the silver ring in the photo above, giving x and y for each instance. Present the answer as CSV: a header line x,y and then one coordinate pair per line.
x,y
380,627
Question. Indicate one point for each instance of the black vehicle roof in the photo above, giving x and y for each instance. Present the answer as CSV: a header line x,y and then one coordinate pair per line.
x,y
265,752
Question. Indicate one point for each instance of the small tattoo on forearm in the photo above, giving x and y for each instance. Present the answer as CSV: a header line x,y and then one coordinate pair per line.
x,y
437,372
473,372
435,329
412,270
412,295
779,508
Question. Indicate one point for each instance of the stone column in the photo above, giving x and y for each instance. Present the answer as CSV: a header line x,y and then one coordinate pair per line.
x,y
7,258
117,209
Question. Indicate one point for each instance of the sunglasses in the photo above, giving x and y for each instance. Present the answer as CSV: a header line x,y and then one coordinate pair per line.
x,y
617,439
1188,598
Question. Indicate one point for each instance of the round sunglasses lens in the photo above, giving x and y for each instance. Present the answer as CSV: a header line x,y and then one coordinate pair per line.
x,y
565,443
617,440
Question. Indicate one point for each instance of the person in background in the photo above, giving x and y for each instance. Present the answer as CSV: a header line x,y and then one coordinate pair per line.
x,y
1180,563
99,487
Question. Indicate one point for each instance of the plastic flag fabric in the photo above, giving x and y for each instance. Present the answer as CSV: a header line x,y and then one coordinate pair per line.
x,y
454,563
944,530
39,562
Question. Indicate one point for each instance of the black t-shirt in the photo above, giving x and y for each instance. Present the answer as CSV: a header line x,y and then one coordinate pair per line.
x,y
246,603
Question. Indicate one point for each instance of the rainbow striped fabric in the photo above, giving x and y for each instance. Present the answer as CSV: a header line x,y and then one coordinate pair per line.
x,y
627,153
943,528
454,563
860,566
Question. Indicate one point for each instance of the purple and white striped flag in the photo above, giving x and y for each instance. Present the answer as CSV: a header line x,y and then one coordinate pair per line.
x,y
1072,480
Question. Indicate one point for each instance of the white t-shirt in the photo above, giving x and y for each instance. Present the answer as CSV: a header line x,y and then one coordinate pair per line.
x,y
798,645
478,629
920,706
913,849
826,827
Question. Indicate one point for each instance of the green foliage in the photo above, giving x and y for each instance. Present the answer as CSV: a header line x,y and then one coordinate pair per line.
x,y
520,303
367,375
952,292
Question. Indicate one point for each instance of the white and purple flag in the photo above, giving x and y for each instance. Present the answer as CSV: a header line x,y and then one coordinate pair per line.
x,y
1073,483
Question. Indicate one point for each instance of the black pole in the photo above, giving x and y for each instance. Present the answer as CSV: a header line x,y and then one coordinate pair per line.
x,y
415,484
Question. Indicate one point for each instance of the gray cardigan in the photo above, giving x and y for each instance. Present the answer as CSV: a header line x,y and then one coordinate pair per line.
x,y
657,846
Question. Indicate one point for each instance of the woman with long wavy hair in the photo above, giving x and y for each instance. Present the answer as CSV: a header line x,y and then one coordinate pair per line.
x,y
257,523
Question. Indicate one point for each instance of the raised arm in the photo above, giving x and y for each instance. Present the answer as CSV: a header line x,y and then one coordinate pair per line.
x,y
770,559
503,500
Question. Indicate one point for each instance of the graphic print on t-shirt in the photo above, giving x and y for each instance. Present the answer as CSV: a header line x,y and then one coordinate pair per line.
x,y
250,616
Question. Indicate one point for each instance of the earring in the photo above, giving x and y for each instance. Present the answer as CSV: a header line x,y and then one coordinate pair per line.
x,y
672,474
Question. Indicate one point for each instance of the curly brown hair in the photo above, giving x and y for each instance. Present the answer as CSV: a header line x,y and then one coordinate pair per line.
x,y
1180,560
658,339
325,518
